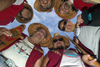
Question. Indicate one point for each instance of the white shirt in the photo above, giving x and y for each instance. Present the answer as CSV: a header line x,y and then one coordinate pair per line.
x,y
89,36
71,59
18,2
19,52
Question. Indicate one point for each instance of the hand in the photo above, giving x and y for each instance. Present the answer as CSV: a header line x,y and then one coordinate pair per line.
x,y
5,32
86,60
79,19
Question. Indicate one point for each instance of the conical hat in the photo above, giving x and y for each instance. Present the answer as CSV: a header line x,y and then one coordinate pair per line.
x,y
68,16
35,26
67,42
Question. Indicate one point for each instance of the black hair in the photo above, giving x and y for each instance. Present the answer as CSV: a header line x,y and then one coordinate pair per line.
x,y
60,23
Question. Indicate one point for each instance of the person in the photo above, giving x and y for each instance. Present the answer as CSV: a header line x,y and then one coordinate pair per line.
x,y
59,54
18,8
86,36
44,5
67,9
26,52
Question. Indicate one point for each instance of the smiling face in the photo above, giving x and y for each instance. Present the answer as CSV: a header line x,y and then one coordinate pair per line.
x,y
25,13
58,43
38,36
67,26
66,7
45,4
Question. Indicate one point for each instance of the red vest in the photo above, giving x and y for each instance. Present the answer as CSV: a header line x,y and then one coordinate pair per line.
x,y
7,15
79,4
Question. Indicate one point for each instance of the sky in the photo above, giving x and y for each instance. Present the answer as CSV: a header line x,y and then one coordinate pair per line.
x,y
49,19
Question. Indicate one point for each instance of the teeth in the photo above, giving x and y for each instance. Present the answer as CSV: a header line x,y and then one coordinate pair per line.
x,y
45,1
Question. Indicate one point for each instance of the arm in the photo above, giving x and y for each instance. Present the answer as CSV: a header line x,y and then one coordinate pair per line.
x,y
79,20
5,32
89,1
45,61
38,62
87,61
5,4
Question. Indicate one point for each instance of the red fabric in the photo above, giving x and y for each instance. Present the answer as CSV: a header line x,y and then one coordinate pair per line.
x,y
85,48
81,45
7,15
54,59
79,4
34,56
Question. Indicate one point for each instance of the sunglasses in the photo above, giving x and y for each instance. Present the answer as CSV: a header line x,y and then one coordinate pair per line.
x,y
55,40
44,34
64,24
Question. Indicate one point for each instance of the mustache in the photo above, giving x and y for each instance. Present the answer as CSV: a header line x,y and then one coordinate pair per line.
x,y
59,43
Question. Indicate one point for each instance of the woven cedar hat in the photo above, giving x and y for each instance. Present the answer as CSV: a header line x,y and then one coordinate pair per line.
x,y
39,9
35,26
68,16
25,21
67,42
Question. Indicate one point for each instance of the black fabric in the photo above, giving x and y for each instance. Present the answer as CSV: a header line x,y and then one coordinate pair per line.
x,y
95,14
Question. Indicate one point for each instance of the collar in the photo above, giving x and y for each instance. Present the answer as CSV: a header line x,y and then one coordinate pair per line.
x,y
72,1
28,43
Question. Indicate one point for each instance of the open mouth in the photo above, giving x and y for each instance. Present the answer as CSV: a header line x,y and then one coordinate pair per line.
x,y
68,26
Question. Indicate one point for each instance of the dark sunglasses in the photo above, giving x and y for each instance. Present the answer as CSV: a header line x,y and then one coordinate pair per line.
x,y
55,40
64,24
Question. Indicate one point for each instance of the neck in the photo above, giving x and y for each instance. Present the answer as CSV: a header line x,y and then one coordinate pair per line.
x,y
31,41
74,27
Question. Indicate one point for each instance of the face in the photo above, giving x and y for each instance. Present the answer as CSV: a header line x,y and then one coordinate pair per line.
x,y
26,13
67,26
66,7
39,36
45,3
58,43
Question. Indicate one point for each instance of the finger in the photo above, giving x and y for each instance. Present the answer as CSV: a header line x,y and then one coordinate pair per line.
x,y
7,33
92,62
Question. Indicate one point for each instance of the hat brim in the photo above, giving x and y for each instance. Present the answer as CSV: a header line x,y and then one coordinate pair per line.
x,y
68,16
39,9
35,26
25,21
67,42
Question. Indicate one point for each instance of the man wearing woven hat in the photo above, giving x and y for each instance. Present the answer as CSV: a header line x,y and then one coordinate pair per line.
x,y
67,9
9,9
86,36
57,57
44,5
27,52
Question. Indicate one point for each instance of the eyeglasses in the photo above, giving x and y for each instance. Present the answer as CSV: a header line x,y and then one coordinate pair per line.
x,y
64,24
66,6
55,40
44,34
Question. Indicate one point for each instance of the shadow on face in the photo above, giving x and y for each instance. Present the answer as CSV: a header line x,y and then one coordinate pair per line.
x,y
39,35
66,25
46,4
25,14
58,43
